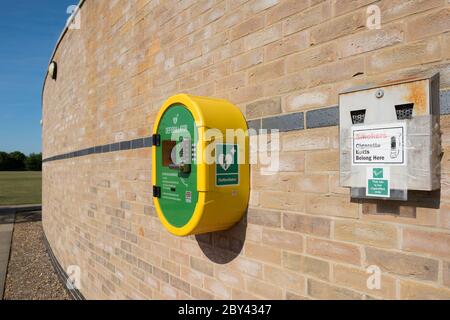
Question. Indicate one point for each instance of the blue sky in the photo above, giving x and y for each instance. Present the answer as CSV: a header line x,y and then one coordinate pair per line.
x,y
29,30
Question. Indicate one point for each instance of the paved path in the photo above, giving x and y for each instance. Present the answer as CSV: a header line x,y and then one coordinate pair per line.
x,y
7,216
6,229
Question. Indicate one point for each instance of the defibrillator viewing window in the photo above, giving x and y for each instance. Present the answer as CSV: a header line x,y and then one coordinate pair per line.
x,y
167,147
177,155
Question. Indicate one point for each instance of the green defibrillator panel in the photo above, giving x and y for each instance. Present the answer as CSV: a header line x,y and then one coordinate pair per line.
x,y
176,165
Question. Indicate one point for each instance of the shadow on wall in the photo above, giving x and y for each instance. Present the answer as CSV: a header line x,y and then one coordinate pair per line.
x,y
224,246
416,199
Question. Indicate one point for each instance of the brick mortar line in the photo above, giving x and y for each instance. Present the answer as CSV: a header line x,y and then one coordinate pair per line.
x,y
399,225
62,275
436,284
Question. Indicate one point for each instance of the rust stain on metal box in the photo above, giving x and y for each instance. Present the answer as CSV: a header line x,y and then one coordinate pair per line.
x,y
417,94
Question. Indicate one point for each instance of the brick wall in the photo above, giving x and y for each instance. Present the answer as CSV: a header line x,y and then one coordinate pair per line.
x,y
302,236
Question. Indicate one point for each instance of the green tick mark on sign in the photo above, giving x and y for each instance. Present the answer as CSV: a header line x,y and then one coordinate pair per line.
x,y
378,173
378,182
227,167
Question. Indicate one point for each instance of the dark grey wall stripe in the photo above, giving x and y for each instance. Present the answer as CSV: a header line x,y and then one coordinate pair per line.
x,y
113,147
254,124
284,123
320,118
445,102
137,144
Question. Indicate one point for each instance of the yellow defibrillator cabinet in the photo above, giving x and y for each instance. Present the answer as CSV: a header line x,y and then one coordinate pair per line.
x,y
200,165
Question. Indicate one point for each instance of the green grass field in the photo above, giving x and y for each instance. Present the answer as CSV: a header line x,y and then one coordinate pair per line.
x,y
18,188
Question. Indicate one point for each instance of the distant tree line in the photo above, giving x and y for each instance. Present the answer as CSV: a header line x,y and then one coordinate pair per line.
x,y
17,161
